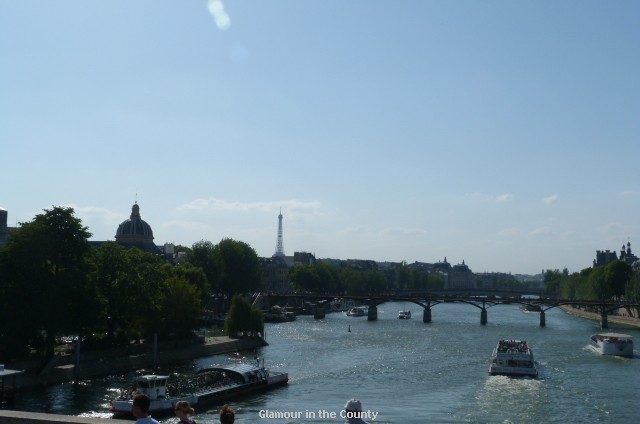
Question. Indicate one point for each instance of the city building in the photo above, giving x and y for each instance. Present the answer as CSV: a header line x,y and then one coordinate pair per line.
x,y
135,232
461,277
5,230
628,256
605,257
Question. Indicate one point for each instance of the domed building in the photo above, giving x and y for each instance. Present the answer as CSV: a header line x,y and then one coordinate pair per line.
x,y
135,232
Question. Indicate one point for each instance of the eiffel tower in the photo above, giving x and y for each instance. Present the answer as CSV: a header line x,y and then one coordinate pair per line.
x,y
279,243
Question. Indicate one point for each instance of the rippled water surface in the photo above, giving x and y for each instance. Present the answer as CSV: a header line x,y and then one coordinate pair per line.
x,y
412,372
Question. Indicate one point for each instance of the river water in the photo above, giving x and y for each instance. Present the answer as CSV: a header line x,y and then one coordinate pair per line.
x,y
406,371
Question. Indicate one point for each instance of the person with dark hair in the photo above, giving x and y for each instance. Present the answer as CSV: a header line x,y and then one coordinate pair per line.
x,y
183,410
140,409
227,415
353,412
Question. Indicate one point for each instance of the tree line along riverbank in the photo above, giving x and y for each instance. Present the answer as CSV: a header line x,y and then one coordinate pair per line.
x,y
618,319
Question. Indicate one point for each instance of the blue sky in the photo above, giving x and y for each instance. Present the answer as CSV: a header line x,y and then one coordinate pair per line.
x,y
501,133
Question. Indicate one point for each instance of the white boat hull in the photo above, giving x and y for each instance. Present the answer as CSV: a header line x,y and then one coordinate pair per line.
x,y
612,344
513,371
205,395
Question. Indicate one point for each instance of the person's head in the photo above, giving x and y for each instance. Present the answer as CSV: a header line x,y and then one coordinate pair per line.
x,y
141,404
353,405
183,409
227,415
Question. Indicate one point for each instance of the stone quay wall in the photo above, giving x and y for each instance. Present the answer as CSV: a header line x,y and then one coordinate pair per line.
x,y
20,417
62,368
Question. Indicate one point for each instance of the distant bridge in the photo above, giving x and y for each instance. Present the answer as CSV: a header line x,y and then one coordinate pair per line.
x,y
481,300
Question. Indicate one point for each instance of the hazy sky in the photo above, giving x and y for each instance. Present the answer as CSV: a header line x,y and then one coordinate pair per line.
x,y
502,133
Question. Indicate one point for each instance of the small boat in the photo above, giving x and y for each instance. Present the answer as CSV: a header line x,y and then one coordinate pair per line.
x,y
279,314
356,312
612,344
404,314
513,358
531,307
215,384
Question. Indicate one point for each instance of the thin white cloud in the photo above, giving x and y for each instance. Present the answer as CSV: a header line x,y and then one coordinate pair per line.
x,y
541,232
188,226
630,193
501,198
551,199
613,227
509,232
504,198
403,231
94,213
360,229
220,205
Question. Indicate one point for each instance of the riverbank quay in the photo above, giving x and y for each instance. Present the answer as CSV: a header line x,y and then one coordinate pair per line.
x,y
93,364
618,319
20,417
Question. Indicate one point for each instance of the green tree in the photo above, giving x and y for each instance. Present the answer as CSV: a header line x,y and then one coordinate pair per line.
x,y
569,288
632,291
181,307
374,281
305,278
553,279
196,276
46,264
352,281
329,280
435,282
144,285
600,288
403,276
237,267
617,275
202,254
243,318
107,270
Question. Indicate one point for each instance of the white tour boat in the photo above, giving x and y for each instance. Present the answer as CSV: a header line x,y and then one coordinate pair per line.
x,y
513,358
612,344
404,314
210,385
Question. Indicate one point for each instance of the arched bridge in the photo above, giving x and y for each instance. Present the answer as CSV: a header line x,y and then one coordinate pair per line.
x,y
427,301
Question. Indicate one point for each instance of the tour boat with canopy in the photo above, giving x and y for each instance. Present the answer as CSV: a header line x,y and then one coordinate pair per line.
x,y
513,358
209,385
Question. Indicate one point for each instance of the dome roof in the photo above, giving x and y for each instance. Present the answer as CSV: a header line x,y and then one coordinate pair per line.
x,y
134,229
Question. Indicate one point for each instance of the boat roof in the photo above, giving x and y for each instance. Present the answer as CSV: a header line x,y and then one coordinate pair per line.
x,y
150,377
6,372
618,335
241,368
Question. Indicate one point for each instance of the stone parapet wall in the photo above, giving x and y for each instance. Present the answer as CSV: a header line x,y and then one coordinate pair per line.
x,y
20,417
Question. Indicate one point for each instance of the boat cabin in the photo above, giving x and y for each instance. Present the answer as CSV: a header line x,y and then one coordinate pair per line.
x,y
154,386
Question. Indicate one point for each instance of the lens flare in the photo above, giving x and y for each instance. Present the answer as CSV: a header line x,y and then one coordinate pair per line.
x,y
216,8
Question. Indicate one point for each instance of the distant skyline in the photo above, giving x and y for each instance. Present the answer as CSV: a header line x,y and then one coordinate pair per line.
x,y
502,133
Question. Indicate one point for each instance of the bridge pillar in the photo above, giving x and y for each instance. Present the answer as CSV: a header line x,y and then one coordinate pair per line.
x,y
372,315
483,316
426,315
604,320
318,312
543,322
